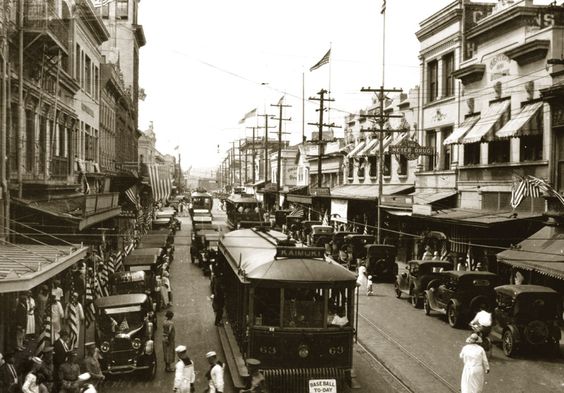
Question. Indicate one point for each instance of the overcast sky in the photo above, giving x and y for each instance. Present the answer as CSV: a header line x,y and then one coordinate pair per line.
x,y
207,63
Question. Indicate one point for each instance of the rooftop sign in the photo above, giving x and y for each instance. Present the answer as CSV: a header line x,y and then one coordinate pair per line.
x,y
300,252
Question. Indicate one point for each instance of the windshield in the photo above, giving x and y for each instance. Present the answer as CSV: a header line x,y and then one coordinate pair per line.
x,y
201,202
121,319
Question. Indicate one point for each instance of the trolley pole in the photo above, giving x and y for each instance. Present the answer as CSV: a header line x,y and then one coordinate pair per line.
x,y
381,119
320,126
280,119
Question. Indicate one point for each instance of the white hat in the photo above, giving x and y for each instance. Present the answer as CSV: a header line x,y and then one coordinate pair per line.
x,y
37,360
211,354
84,377
180,349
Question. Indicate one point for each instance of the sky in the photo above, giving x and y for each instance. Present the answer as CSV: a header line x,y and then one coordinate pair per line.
x,y
207,63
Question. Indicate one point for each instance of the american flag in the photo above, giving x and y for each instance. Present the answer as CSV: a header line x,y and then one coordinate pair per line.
x,y
89,301
161,182
100,3
45,337
119,261
324,60
131,194
383,10
518,192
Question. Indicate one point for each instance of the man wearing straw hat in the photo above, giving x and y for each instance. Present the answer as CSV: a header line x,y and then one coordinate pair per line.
x,y
184,374
475,365
214,374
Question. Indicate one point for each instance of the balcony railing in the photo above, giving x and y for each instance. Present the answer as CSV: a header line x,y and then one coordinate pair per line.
x,y
98,203
41,17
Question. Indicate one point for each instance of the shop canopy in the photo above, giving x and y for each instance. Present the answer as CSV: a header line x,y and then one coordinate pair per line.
x,y
427,198
369,147
367,192
461,130
354,152
376,149
25,266
491,120
527,122
543,253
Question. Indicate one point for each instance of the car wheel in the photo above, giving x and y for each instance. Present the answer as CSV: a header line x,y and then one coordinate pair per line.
x,y
452,316
427,306
397,290
508,343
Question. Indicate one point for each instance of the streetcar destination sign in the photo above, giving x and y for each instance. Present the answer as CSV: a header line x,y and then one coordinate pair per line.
x,y
300,252
411,149
322,386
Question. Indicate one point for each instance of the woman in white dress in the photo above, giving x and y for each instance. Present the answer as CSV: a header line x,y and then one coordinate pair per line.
x,y
57,316
30,382
30,305
476,365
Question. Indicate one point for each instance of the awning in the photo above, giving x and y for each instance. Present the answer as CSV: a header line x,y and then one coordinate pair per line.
x,y
259,183
432,197
543,253
399,139
527,122
354,152
376,148
461,130
25,266
299,213
491,120
368,147
296,198
367,192
478,217
302,190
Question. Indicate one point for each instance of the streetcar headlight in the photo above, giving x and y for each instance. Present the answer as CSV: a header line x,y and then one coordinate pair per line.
x,y
303,351
136,344
105,347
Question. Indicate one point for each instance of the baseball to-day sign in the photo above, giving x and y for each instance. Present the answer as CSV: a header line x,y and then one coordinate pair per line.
x,y
322,386
411,149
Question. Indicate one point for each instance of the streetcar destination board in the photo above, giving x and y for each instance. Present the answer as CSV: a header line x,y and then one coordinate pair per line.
x,y
300,252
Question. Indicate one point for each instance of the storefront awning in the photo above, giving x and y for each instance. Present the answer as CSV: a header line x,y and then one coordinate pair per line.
x,y
25,266
367,192
478,217
401,137
491,120
376,149
354,152
432,197
368,147
527,122
461,130
543,252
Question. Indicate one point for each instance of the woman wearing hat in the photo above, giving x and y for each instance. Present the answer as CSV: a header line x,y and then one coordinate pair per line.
x,y
476,365
30,382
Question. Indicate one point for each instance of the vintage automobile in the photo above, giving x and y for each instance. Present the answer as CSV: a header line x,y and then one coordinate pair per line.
x,y
123,282
527,316
417,275
125,333
320,235
459,294
354,248
337,241
146,260
381,261
306,230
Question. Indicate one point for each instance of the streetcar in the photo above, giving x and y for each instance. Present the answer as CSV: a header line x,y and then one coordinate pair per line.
x,y
241,207
201,202
288,307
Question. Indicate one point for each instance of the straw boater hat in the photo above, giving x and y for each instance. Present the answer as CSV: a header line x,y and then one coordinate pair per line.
x,y
37,360
180,349
474,339
84,377
210,354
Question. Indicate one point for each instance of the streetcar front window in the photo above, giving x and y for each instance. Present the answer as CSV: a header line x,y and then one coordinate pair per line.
x,y
303,307
267,307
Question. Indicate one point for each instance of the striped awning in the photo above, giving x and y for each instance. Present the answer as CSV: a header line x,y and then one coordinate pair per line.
x,y
299,213
160,180
527,122
491,120
376,148
356,149
368,148
461,130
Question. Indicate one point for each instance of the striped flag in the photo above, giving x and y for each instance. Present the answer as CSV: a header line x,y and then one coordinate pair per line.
x,y
324,60
111,264
383,10
542,186
325,220
119,262
89,301
131,194
74,324
251,113
45,337
518,193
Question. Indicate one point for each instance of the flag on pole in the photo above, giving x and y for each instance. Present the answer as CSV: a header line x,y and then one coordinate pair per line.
x,y
383,10
74,324
518,193
281,100
324,60
89,301
45,336
248,115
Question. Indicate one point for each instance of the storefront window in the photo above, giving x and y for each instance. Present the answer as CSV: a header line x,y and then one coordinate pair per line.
x,y
402,170
531,148
361,168
472,153
373,161
351,167
498,151
432,77
387,170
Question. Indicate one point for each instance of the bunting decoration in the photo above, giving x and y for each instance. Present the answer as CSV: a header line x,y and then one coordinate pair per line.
x,y
89,301
45,338
73,324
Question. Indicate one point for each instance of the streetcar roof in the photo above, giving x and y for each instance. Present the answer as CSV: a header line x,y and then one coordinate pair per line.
x,y
139,260
120,300
238,198
253,253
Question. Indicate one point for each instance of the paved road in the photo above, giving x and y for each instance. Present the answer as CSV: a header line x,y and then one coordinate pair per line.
x,y
391,328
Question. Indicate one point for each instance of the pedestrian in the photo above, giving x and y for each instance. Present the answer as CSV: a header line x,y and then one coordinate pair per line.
x,y
8,374
91,364
42,301
184,374
56,290
369,286
60,353
214,374
169,334
85,383
361,279
57,316
68,374
166,290
30,381
257,383
21,322
475,365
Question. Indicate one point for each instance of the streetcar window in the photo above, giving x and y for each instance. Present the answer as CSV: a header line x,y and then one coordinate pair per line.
x,y
303,307
267,306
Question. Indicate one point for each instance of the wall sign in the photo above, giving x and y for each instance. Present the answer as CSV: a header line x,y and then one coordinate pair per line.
x,y
499,66
411,149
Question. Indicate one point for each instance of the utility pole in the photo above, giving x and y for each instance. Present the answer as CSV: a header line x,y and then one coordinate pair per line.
x,y
21,105
280,119
320,126
381,119
266,116
240,177
253,155
4,128
232,164
246,160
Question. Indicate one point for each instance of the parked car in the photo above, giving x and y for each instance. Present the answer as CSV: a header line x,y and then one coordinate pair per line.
x,y
336,244
381,261
417,275
527,316
459,294
320,235
354,248
125,333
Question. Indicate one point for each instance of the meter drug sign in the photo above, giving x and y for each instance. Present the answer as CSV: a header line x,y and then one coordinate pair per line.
x,y
322,386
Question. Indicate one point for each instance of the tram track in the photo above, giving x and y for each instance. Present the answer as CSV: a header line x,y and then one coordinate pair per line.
x,y
414,358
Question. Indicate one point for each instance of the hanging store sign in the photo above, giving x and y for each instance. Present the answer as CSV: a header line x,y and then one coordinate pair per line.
x,y
411,149
320,191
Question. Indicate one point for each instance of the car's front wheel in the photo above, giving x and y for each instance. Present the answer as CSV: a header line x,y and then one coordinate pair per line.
x,y
452,316
508,343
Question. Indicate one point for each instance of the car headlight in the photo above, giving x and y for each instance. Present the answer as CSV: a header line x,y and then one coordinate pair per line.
x,y
303,351
149,347
136,344
105,347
